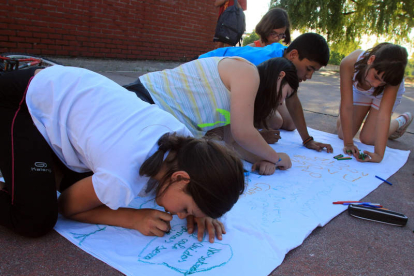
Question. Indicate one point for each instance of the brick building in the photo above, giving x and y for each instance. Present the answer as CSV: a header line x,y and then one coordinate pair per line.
x,y
127,29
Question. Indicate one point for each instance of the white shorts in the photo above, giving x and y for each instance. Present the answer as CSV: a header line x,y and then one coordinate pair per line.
x,y
365,98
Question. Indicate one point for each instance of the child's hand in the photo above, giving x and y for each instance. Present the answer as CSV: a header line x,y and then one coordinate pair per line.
x,y
318,146
351,150
271,136
153,222
371,157
285,163
214,227
264,167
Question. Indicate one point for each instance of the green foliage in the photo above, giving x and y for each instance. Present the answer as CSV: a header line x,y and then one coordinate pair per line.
x,y
409,70
345,21
343,47
250,38
335,58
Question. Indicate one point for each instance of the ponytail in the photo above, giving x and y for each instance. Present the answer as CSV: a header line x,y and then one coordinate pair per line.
x,y
167,142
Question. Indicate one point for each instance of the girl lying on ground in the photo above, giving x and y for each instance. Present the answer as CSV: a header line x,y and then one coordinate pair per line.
x,y
372,86
209,93
114,147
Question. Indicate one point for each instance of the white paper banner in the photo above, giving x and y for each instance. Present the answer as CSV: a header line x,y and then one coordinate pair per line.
x,y
274,215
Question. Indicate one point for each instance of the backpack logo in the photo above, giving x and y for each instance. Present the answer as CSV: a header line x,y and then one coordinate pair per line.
x,y
40,164
40,167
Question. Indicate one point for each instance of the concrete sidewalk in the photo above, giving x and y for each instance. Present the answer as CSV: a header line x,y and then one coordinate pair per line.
x,y
319,95
345,246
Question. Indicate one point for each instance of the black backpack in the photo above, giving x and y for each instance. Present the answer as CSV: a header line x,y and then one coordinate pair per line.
x,y
231,25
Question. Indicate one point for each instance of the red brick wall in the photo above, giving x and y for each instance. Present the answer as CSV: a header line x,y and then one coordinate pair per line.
x,y
128,29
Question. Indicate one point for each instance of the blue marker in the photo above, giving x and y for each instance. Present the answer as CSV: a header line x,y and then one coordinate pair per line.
x,y
383,180
367,204
363,203
370,205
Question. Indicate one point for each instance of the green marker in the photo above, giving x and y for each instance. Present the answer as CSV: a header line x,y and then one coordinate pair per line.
x,y
362,155
343,158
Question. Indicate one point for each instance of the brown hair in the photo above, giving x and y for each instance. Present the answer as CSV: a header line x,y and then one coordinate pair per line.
x,y
389,58
275,18
269,95
216,173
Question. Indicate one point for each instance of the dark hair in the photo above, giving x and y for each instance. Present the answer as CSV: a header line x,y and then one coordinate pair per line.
x,y
311,46
389,58
216,173
269,95
275,18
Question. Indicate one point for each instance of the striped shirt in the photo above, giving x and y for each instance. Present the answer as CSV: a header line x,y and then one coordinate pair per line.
x,y
193,93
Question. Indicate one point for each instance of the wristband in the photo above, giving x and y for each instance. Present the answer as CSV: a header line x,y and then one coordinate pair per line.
x,y
307,140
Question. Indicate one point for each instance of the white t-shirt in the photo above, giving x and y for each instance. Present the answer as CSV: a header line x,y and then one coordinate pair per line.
x,y
94,124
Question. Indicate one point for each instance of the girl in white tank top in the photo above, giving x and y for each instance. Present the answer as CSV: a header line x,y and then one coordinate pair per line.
x,y
371,87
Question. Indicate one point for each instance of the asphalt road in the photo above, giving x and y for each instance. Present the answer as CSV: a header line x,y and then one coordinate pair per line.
x,y
345,246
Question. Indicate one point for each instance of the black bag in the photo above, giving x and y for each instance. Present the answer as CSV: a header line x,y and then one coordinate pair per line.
x,y
231,25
